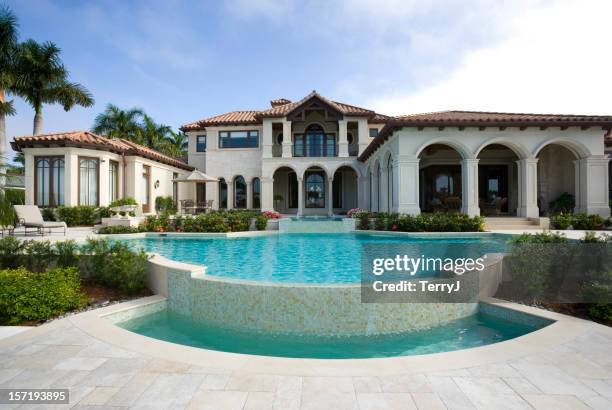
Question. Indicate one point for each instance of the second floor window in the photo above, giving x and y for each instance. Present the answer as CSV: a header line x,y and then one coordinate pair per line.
x,y
201,143
373,132
314,143
238,139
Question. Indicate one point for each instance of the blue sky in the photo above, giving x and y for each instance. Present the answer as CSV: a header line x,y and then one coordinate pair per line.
x,y
184,60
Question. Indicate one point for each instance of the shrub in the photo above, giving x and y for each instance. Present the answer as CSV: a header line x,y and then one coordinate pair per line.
x,y
380,221
39,255
364,221
103,212
561,221
48,214
67,253
238,222
10,252
165,205
82,215
114,264
272,214
128,200
586,222
27,296
356,212
15,196
261,222
437,222
118,229
565,203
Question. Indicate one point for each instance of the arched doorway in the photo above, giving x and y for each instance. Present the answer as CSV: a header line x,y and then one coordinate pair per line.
x,y
497,180
556,179
316,195
240,192
440,179
222,193
344,190
285,190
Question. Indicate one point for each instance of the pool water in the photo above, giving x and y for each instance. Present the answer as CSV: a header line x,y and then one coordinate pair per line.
x,y
477,330
308,258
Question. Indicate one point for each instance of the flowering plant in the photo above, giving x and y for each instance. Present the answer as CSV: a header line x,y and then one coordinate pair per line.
x,y
271,214
356,212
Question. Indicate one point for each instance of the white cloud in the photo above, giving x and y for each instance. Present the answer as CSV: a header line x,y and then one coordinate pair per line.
x,y
554,58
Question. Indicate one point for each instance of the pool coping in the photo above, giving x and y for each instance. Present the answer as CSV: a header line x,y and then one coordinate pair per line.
x,y
93,323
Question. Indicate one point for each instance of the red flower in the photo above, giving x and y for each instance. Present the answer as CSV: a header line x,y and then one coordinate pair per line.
x,y
394,227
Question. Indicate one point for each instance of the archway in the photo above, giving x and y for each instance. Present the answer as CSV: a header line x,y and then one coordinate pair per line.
x,y
240,192
440,179
498,180
556,179
316,198
285,190
344,190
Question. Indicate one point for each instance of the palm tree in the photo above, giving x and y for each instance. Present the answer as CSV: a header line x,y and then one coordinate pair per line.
x,y
154,135
179,142
117,123
41,78
8,44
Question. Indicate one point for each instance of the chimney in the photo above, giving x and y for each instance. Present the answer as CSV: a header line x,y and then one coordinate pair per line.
x,y
279,102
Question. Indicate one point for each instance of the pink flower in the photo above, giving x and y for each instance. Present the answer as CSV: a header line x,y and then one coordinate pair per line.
x,y
394,227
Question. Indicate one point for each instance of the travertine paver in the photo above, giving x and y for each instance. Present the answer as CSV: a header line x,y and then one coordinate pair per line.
x,y
574,374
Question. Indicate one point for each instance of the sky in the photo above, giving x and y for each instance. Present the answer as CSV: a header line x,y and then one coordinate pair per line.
x,y
181,61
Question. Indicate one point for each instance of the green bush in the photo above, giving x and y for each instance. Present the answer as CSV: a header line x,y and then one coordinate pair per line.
x,y
82,215
239,222
27,296
67,253
380,221
48,214
565,203
586,222
114,264
261,222
11,249
118,229
15,196
128,200
165,205
39,255
561,221
437,222
364,221
103,212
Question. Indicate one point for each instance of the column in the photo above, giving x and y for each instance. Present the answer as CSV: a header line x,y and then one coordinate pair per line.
x,y
103,185
300,210
469,187
407,185
230,194
71,179
362,192
383,206
363,134
287,140
29,179
528,188
267,194
375,195
249,192
267,140
330,196
342,138
592,185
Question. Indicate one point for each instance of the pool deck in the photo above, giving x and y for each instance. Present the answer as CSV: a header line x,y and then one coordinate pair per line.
x,y
567,365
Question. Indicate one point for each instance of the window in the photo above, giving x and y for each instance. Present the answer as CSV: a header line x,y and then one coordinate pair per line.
x,y
239,139
113,181
146,188
49,181
240,192
222,194
201,143
88,181
256,193
315,189
293,190
200,192
175,188
337,190
389,184
314,143
373,132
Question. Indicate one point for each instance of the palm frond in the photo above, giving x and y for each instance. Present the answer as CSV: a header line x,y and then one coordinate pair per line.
x,y
7,109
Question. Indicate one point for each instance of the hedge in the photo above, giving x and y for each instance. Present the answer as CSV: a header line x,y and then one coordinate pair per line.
x,y
436,222
27,296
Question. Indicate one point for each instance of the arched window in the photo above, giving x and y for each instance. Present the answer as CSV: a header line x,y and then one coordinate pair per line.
x,y
49,181
240,192
222,194
88,181
315,189
256,187
314,143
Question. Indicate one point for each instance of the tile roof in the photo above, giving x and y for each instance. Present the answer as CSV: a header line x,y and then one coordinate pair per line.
x,y
86,139
483,119
280,108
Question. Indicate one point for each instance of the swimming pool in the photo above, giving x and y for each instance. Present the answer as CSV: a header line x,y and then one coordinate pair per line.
x,y
309,258
490,324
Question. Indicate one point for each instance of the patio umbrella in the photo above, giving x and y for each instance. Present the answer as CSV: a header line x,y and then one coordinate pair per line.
x,y
196,176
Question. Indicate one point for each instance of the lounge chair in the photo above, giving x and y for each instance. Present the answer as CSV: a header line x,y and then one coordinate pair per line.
x,y
30,217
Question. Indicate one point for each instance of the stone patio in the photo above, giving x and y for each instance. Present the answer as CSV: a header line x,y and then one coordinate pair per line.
x,y
101,373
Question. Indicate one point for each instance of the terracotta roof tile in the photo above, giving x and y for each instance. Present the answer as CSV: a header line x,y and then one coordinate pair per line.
x,y
483,119
87,139
230,118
